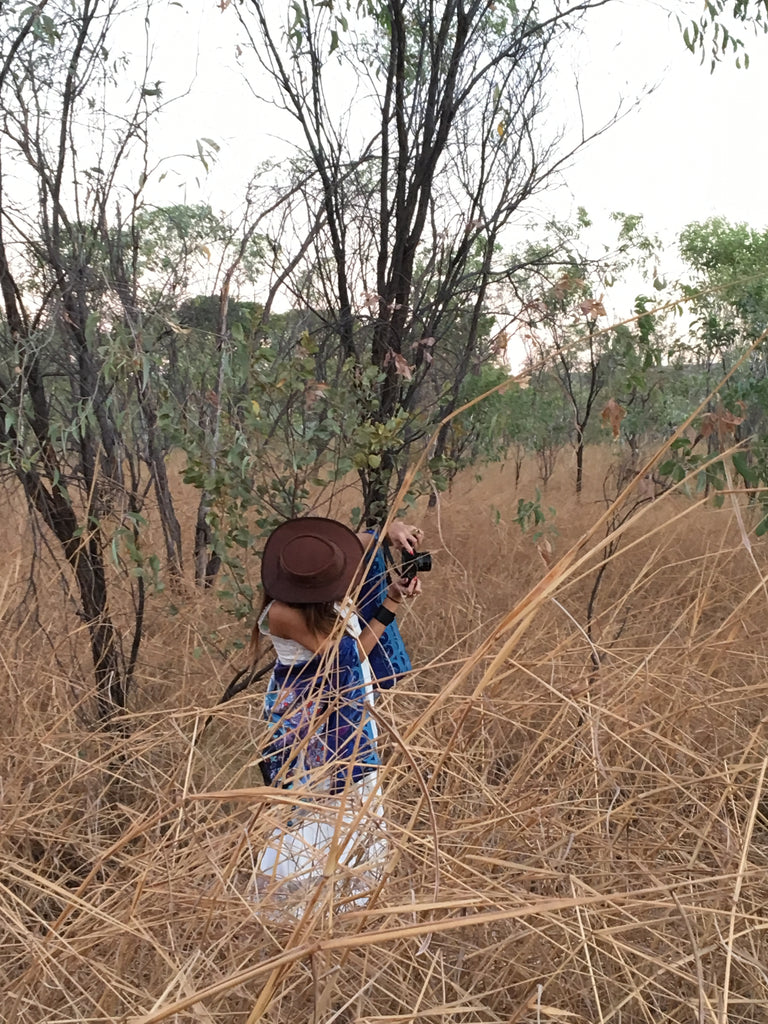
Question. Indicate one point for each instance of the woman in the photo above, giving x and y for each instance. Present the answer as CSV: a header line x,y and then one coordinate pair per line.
x,y
323,736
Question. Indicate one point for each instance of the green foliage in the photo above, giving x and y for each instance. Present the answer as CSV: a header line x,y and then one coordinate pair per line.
x,y
714,32
178,247
729,303
730,295
484,432
571,342
701,473
287,441
752,467
531,516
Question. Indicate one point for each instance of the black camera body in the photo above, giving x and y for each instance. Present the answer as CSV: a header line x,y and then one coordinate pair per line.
x,y
419,561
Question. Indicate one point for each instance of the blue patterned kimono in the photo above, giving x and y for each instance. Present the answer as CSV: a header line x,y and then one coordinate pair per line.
x,y
389,658
319,713
320,710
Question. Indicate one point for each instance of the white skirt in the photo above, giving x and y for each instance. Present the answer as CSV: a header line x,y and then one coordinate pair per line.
x,y
336,841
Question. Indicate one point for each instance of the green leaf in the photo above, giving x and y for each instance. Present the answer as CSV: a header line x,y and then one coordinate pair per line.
x,y
91,328
748,473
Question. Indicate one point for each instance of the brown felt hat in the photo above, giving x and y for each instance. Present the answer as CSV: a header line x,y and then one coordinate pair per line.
x,y
310,560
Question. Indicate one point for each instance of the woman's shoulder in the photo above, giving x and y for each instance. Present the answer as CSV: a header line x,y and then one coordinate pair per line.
x,y
285,620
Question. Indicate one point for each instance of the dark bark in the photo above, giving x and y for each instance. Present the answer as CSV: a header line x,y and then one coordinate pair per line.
x,y
83,552
579,462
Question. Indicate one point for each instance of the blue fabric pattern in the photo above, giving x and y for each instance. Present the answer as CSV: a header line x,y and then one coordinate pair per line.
x,y
389,658
320,717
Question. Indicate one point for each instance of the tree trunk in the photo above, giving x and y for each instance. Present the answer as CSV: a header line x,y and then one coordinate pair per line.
x,y
207,562
579,462
111,688
168,520
85,557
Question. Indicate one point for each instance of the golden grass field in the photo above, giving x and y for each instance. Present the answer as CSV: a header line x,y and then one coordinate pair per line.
x,y
571,843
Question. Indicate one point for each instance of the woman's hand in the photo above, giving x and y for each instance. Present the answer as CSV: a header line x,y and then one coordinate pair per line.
x,y
404,537
401,589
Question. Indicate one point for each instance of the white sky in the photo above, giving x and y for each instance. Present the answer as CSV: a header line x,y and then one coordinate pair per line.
x,y
695,147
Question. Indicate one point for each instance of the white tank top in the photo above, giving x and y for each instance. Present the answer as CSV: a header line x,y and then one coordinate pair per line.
x,y
291,652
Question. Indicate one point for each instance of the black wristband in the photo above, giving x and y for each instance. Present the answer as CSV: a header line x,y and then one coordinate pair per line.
x,y
383,615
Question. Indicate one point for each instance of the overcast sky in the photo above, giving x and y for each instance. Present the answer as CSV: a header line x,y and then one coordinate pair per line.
x,y
695,147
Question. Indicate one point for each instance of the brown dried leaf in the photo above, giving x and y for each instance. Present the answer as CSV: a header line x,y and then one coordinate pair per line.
x,y
612,415
708,424
501,343
564,285
593,307
424,343
545,550
314,389
721,421
402,367
371,301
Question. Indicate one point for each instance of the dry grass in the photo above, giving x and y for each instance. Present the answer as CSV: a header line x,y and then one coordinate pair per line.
x,y
571,844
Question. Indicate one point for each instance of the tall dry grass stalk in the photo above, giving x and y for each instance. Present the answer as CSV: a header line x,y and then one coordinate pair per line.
x,y
578,826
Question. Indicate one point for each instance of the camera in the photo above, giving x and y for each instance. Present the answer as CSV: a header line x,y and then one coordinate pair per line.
x,y
419,561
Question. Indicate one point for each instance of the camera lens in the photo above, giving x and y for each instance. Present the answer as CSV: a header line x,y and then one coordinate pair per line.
x,y
419,561
423,561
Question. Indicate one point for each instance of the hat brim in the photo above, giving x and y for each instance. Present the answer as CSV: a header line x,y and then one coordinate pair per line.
x,y
280,588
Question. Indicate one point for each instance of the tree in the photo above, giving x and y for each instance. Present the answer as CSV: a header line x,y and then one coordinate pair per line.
x,y
87,302
728,296
61,431
566,322
414,185
729,303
